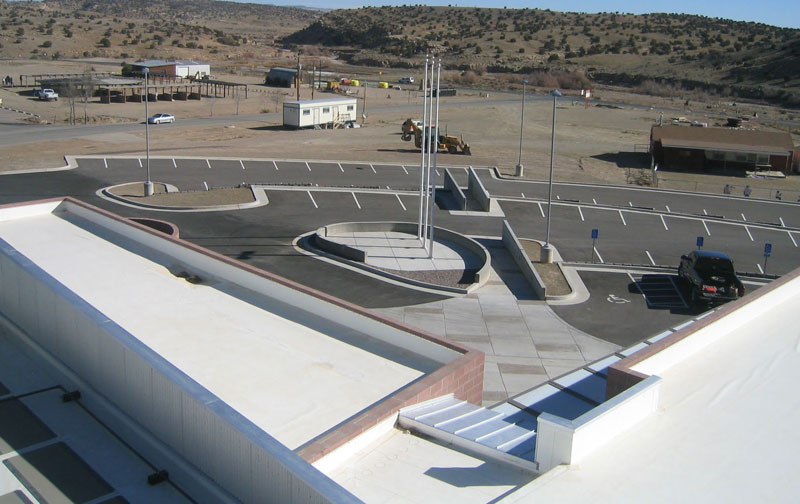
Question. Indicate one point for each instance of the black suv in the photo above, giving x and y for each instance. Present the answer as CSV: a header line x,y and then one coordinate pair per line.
x,y
710,277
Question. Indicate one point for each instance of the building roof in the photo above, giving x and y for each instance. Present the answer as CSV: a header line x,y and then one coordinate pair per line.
x,y
724,139
320,101
157,63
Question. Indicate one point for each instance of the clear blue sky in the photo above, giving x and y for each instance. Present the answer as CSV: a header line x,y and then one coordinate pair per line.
x,y
784,13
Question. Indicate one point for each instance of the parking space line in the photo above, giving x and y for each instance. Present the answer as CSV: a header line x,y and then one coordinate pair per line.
x,y
622,218
792,238
174,164
140,162
241,163
744,218
650,257
312,199
630,204
340,167
523,194
704,212
594,201
105,163
400,201
205,185
759,268
748,233
356,199
667,207
664,222
558,197
705,226
208,163
581,212
782,223
404,169
541,210
373,169
309,168
598,255
437,172
276,167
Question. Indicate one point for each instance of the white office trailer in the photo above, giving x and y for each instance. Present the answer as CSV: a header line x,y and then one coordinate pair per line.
x,y
325,112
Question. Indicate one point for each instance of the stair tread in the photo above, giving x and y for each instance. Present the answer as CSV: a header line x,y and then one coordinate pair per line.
x,y
430,407
476,417
435,418
501,437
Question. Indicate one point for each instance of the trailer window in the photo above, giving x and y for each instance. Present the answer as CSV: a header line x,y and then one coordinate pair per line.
x,y
306,112
349,108
326,110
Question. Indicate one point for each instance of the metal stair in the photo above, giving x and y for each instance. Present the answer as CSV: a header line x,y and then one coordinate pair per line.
x,y
502,434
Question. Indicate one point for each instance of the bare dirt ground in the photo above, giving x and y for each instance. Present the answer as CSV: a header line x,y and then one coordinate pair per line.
x,y
595,144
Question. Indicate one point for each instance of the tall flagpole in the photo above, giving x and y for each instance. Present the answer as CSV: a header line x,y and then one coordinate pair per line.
x,y
435,154
431,147
422,150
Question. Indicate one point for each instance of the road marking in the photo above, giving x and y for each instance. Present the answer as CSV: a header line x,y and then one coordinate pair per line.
x,y
140,162
630,204
523,194
541,210
581,212
598,255
782,223
105,163
388,188
241,163
312,198
400,201
373,169
623,218
759,269
340,167
614,299
650,257
744,218
174,164
205,185
208,164
704,212
437,172
705,226
558,197
594,201
792,238
748,233
667,207
404,169
664,222
356,199
276,167
309,168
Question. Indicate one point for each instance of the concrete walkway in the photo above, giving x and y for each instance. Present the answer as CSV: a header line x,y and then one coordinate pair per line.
x,y
525,342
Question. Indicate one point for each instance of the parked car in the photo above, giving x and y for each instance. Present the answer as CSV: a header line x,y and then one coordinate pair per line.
x,y
161,118
710,276
47,94
407,80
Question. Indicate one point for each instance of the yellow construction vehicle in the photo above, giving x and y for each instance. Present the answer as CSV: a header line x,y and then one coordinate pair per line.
x,y
414,129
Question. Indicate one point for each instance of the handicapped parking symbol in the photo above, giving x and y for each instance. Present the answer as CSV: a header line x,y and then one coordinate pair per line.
x,y
613,298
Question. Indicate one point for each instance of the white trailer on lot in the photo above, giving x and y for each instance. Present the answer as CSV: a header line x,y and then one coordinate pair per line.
x,y
310,113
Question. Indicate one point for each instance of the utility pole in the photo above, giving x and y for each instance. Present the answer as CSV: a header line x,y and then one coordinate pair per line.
x,y
297,77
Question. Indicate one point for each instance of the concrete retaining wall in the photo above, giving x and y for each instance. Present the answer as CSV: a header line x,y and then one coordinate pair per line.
x,y
451,185
481,276
517,252
479,192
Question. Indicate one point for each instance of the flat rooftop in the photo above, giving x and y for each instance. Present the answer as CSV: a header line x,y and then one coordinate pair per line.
x,y
294,374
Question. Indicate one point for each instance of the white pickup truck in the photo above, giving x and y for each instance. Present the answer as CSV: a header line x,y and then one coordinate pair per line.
x,y
47,94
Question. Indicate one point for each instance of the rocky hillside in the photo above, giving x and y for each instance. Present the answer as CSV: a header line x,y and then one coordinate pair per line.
x,y
747,59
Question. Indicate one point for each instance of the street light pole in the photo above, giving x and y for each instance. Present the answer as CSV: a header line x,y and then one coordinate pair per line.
x,y
148,184
521,123
547,250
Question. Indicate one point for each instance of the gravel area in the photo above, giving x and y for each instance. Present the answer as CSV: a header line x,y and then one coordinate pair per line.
x,y
446,278
550,273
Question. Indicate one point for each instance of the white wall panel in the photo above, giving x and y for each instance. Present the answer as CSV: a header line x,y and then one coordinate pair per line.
x,y
167,418
197,433
139,387
46,306
232,459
